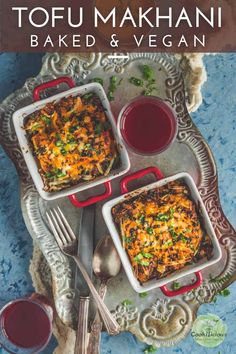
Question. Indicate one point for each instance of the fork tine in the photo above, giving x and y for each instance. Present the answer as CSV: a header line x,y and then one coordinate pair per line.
x,y
69,229
59,231
65,232
54,231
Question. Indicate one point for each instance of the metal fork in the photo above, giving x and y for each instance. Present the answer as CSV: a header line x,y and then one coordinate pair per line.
x,y
68,244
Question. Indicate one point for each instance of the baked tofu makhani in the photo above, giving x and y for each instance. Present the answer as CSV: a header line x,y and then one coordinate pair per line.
x,y
72,141
161,231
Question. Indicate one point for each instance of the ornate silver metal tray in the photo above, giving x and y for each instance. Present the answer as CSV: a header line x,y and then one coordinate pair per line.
x,y
154,319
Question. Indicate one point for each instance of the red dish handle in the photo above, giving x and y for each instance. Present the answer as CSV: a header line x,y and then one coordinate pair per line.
x,y
92,200
52,83
183,289
139,174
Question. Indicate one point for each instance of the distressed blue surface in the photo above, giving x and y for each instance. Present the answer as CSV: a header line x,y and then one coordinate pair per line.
x,y
215,119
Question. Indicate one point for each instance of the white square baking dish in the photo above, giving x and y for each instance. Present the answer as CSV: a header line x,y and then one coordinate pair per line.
x,y
194,268
18,121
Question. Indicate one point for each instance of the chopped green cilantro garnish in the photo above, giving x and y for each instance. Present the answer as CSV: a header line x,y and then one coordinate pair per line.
x,y
183,238
143,295
147,255
49,174
135,81
127,239
88,146
150,230
112,87
98,80
110,96
60,175
150,349
35,126
113,82
59,143
142,219
138,257
147,92
224,292
176,285
71,141
162,217
172,232
150,83
172,210
142,257
147,71
168,243
87,96
63,151
144,263
55,173
165,216
126,302
46,119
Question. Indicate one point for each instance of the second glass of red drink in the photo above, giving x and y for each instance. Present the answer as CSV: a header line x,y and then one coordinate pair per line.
x,y
148,125
26,325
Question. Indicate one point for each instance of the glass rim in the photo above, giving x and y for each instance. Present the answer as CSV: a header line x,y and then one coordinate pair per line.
x,y
5,334
174,119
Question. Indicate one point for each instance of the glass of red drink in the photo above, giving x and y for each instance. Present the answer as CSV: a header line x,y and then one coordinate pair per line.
x,y
26,325
148,125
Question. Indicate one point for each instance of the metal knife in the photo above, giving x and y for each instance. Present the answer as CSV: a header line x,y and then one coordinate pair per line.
x,y
85,253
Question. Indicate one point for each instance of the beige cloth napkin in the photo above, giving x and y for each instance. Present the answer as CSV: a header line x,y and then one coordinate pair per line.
x,y
194,76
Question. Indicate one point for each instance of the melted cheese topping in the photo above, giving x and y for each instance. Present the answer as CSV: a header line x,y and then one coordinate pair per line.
x,y
161,231
72,141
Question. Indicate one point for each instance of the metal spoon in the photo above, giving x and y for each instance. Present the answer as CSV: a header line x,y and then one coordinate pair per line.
x,y
106,264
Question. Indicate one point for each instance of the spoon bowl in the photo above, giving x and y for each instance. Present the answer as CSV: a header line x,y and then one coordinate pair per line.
x,y
106,261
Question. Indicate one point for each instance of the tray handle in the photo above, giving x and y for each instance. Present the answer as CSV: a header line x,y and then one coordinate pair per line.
x,y
92,200
139,174
183,289
52,83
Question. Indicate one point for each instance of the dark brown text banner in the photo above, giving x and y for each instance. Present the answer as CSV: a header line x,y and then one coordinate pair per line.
x,y
118,25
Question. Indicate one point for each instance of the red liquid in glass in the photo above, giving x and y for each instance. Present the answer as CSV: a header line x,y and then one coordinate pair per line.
x,y
26,324
148,125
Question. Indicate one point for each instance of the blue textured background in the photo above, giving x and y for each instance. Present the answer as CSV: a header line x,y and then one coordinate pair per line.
x,y
216,119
